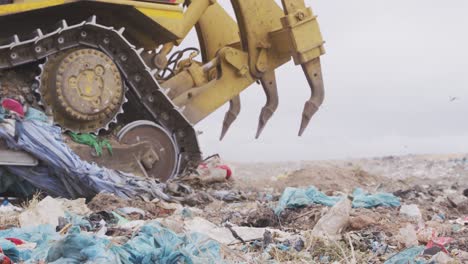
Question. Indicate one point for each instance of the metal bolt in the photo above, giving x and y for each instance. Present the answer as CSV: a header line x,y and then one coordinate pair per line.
x,y
300,16
106,40
151,99
123,57
61,40
38,49
84,34
137,78
165,116
13,55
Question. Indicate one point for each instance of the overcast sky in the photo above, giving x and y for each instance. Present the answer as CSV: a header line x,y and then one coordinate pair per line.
x,y
390,70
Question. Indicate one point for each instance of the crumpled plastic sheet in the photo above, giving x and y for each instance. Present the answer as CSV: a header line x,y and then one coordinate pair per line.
x,y
63,173
41,235
155,244
152,244
297,197
365,200
408,256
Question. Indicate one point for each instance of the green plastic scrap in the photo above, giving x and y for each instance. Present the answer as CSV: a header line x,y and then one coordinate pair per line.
x,y
121,220
92,141
408,256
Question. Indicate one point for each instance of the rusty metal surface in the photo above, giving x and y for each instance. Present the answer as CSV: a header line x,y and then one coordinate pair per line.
x,y
270,88
313,72
124,157
83,88
161,161
231,115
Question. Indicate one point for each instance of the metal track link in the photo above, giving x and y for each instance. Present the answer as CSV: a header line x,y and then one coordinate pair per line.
x,y
138,76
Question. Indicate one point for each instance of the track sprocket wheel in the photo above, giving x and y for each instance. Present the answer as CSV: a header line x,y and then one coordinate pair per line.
x,y
83,90
162,162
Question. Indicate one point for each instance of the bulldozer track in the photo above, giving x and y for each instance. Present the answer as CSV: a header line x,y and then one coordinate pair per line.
x,y
139,78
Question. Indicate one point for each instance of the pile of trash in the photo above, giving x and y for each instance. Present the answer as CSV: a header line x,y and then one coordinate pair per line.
x,y
302,225
78,212
64,231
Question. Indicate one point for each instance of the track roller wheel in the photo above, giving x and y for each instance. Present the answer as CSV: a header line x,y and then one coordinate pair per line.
x,y
162,162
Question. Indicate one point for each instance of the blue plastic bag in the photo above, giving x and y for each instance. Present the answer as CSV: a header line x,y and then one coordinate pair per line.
x,y
365,200
296,198
152,244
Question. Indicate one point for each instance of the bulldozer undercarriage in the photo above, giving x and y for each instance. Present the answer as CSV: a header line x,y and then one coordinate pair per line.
x,y
90,77
85,71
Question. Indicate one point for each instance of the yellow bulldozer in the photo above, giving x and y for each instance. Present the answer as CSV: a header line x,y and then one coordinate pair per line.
x,y
112,67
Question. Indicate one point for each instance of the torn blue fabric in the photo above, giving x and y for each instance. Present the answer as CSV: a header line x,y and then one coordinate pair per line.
x,y
63,173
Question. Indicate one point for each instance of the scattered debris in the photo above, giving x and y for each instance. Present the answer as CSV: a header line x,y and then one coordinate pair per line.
x,y
441,258
408,256
207,216
45,212
412,212
334,222
407,236
460,202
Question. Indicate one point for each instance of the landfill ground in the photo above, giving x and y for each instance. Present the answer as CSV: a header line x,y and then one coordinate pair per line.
x,y
430,224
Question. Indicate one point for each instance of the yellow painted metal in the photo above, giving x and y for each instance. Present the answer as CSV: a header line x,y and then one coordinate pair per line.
x,y
201,101
182,26
140,4
216,29
300,36
153,10
256,20
156,13
29,5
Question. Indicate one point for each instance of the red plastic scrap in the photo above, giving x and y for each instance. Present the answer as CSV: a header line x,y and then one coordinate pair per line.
x,y
13,106
5,260
227,169
439,242
205,166
15,241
